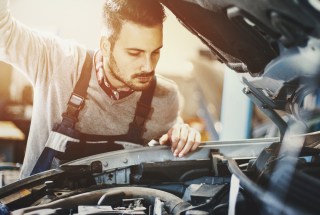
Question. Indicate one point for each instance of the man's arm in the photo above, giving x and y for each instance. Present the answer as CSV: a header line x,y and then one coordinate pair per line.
x,y
3,6
31,52
19,45
182,138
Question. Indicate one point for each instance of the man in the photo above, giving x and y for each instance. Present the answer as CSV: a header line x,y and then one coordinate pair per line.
x,y
119,96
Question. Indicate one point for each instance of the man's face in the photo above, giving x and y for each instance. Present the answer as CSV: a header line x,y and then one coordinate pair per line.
x,y
134,56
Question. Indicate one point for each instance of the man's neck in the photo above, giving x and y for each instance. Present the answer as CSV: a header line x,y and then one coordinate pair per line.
x,y
113,81
110,90
120,87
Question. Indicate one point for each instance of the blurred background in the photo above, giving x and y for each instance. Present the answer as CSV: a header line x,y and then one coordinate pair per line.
x,y
212,96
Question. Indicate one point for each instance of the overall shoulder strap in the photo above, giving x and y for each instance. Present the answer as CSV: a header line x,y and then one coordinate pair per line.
x,y
69,118
143,110
76,100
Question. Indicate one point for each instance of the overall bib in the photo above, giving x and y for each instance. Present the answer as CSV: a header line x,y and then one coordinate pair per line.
x,y
65,143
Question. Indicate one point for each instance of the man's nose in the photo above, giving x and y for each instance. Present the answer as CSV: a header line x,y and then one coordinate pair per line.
x,y
148,65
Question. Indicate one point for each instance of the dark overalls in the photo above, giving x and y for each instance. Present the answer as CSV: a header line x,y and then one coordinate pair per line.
x,y
65,143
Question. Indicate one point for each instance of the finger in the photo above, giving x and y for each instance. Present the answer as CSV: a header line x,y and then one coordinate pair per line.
x,y
175,137
197,141
189,144
183,139
164,139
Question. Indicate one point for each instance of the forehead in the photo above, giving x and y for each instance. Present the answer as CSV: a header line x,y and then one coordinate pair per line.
x,y
138,36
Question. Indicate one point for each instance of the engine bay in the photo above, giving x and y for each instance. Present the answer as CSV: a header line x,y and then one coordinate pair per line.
x,y
207,182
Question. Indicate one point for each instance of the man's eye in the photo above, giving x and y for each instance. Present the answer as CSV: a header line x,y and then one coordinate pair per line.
x,y
156,53
134,53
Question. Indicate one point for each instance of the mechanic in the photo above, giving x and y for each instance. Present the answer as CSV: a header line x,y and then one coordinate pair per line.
x,y
84,102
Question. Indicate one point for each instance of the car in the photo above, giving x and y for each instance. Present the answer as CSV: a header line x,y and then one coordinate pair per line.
x,y
275,47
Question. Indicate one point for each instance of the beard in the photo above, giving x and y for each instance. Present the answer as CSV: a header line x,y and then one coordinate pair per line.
x,y
129,81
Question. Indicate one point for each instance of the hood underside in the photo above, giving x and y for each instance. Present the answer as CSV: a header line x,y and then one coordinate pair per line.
x,y
245,35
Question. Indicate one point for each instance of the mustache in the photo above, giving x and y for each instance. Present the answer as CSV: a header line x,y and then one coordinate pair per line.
x,y
143,75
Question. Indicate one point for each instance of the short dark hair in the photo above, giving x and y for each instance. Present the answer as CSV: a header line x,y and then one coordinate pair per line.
x,y
143,12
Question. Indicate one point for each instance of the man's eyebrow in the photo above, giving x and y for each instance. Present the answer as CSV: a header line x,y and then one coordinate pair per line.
x,y
158,48
141,50
135,49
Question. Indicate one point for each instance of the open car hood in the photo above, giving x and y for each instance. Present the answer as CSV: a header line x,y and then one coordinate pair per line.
x,y
275,43
245,35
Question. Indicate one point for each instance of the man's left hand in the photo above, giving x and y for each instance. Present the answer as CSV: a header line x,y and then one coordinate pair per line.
x,y
183,139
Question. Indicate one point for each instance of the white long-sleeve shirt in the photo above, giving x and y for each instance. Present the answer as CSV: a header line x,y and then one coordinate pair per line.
x,y
53,67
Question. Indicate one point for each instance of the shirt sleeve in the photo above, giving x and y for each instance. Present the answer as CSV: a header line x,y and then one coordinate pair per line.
x,y
3,5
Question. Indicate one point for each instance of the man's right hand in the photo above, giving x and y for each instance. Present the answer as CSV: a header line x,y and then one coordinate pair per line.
x,y
183,139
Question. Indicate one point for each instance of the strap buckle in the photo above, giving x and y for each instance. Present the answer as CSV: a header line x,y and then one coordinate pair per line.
x,y
76,101
70,117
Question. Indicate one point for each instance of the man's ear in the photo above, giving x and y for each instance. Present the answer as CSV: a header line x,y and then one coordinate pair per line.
x,y
105,46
